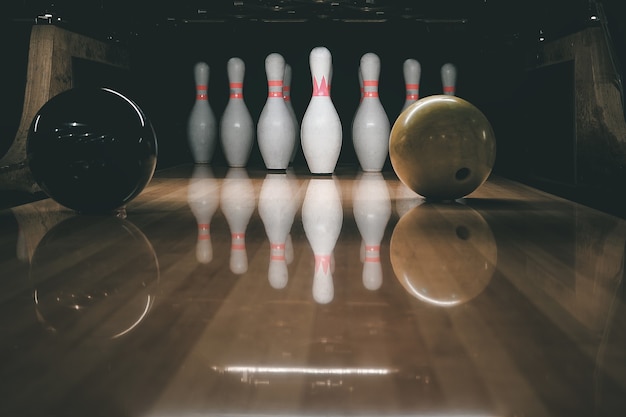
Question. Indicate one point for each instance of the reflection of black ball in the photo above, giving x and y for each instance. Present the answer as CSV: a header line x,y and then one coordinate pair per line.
x,y
94,277
91,149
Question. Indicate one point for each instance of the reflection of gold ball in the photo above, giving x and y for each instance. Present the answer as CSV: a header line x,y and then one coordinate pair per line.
x,y
443,254
442,147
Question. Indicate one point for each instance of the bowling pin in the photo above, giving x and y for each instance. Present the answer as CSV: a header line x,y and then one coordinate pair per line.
x,y
321,131
372,210
203,199
448,79
277,209
292,112
371,127
412,73
201,124
322,219
275,129
236,126
237,201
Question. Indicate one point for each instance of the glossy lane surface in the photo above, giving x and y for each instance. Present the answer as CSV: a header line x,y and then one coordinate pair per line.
x,y
218,295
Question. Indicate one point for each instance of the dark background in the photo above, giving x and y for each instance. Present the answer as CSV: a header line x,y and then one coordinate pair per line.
x,y
493,44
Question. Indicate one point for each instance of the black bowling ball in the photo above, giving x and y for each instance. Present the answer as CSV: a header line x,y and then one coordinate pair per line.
x,y
91,149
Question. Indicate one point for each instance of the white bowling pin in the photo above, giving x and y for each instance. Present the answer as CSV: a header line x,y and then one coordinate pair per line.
x,y
371,127
322,219
238,201
203,199
412,74
277,209
236,126
448,79
275,129
321,132
201,124
287,96
372,210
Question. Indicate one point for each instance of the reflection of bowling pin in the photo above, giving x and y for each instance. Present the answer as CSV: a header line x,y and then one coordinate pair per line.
x,y
275,129
412,74
236,126
203,199
277,209
371,127
237,201
292,112
201,126
448,79
321,131
322,218
372,210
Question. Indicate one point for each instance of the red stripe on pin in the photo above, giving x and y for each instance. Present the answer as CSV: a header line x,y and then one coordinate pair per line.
x,y
372,253
370,83
322,262
370,94
448,89
275,83
236,95
321,88
275,94
236,85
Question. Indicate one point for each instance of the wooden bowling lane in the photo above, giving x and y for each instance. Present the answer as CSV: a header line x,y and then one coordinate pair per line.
x,y
507,303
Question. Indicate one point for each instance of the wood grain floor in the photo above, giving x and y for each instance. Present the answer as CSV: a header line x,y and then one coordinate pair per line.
x,y
214,297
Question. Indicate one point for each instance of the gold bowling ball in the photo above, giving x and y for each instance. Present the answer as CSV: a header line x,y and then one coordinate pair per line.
x,y
442,147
